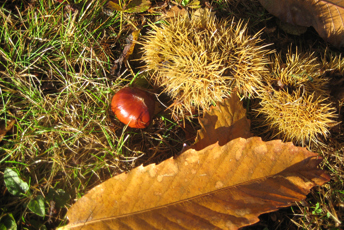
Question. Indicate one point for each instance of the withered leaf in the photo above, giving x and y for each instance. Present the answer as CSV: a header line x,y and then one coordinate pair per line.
x,y
223,123
194,4
4,129
138,6
133,6
127,51
327,17
111,5
218,187
175,11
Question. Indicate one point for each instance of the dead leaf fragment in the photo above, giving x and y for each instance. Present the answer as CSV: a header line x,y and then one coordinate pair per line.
x,y
4,129
132,6
223,123
174,11
219,187
327,17
127,51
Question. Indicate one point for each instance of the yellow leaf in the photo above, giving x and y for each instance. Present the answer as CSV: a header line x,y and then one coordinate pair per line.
x,y
4,130
219,187
223,123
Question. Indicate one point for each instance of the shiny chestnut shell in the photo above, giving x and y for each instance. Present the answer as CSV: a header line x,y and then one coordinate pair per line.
x,y
134,107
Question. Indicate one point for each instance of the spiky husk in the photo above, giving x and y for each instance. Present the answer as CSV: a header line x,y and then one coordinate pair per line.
x,y
296,116
298,70
200,60
332,63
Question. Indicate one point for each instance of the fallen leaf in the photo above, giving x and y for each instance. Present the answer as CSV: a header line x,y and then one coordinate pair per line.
x,y
127,51
133,6
194,4
4,130
174,11
327,17
138,6
203,11
219,187
223,123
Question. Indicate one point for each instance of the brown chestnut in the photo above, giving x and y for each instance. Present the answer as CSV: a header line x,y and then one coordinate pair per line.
x,y
134,107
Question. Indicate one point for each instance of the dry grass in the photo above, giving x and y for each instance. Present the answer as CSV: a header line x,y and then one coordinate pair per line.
x,y
55,83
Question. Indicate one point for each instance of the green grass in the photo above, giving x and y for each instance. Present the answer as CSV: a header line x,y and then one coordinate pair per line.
x,y
54,82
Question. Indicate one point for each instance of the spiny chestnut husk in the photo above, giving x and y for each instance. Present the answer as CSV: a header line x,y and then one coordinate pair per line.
x,y
200,60
332,63
134,107
296,116
298,70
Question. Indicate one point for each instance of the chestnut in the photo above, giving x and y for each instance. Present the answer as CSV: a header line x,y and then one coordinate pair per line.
x,y
134,107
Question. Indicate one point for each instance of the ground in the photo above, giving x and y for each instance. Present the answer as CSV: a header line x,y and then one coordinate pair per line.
x,y
57,81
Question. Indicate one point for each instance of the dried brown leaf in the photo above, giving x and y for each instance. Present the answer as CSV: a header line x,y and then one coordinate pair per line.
x,y
175,11
4,130
223,123
219,187
132,6
127,51
326,16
